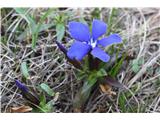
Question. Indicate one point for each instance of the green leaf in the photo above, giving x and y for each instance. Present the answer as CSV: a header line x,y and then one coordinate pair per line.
x,y
47,89
24,70
135,66
44,106
42,100
82,95
92,78
114,71
102,72
60,30
49,106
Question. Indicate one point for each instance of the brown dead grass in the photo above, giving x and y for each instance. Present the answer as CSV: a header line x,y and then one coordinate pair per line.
x,y
140,28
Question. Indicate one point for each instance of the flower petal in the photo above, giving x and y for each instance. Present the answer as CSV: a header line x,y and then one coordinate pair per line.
x,y
97,52
79,31
98,28
112,39
61,47
21,86
78,50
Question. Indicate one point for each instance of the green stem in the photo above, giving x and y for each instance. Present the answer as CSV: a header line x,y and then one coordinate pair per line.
x,y
110,20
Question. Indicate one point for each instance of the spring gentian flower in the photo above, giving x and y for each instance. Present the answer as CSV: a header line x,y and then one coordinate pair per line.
x,y
21,86
90,43
33,98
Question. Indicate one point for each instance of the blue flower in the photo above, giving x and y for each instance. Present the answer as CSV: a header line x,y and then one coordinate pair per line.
x,y
86,42
21,86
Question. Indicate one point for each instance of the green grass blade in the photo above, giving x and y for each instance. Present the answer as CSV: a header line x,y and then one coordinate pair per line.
x,y
35,35
60,30
30,20
110,20
113,72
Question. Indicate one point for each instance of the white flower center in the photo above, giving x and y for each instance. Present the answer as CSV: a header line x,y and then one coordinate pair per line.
x,y
93,43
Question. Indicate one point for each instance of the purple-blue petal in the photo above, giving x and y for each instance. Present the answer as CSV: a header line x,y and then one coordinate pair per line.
x,y
61,47
112,39
21,86
78,50
98,53
79,31
98,28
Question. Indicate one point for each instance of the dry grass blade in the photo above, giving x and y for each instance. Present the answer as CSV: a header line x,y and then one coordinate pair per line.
x,y
148,64
21,109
